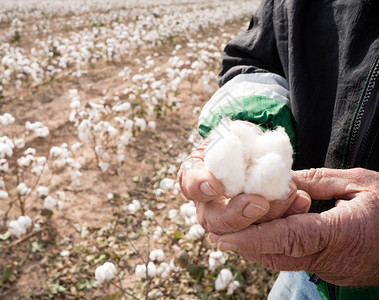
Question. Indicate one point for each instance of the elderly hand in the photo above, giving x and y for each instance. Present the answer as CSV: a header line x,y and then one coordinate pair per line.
x,y
217,212
340,245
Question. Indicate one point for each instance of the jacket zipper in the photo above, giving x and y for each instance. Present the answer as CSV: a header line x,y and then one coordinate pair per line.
x,y
364,121
363,130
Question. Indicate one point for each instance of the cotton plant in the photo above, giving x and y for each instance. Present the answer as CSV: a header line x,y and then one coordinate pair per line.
x,y
29,169
19,227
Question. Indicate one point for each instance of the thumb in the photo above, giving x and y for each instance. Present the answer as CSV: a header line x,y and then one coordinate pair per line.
x,y
325,184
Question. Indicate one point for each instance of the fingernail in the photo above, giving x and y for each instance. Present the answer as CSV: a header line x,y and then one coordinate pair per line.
x,y
224,246
253,211
301,203
214,237
207,189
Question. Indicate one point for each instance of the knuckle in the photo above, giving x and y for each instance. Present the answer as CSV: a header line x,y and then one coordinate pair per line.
x,y
314,174
229,224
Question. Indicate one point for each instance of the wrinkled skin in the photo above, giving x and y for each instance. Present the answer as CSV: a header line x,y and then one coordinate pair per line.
x,y
340,245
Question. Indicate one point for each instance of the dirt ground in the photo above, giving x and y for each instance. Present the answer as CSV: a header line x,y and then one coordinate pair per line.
x,y
92,225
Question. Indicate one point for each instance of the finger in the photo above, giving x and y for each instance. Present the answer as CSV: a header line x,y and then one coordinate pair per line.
x,y
325,184
294,236
197,183
300,205
230,215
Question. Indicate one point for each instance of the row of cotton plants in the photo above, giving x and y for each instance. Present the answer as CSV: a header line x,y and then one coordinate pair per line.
x,y
122,34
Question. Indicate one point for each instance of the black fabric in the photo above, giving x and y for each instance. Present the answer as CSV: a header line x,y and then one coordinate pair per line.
x,y
326,51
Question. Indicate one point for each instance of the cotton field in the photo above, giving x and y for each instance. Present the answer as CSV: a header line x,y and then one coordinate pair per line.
x,y
98,108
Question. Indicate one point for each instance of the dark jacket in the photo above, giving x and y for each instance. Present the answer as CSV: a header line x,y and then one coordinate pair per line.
x,y
327,51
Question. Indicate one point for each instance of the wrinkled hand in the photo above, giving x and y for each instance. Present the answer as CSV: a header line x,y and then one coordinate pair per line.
x,y
340,245
217,212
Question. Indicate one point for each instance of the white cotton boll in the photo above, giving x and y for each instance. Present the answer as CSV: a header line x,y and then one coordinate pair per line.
x,y
224,278
98,149
43,191
156,255
188,211
149,214
174,267
249,162
152,125
171,170
5,149
64,253
157,232
60,205
49,203
216,260
151,269
61,195
269,177
159,192
25,161
163,270
42,131
177,189
23,189
129,125
167,184
225,159
196,232
276,141
19,143
19,226
105,156
120,158
103,166
111,131
4,167
140,123
75,147
125,138
232,287
191,220
15,229
121,107
106,272
173,214
30,151
140,271
7,119
3,194
84,130
24,221
134,206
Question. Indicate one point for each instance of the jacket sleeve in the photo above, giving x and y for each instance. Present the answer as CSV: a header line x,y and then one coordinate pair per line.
x,y
252,81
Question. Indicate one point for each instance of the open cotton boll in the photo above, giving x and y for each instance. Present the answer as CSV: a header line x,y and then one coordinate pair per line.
x,y
106,272
156,255
269,177
225,159
246,161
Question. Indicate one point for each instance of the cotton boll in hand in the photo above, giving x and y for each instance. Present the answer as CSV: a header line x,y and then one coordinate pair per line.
x,y
225,159
248,162
269,177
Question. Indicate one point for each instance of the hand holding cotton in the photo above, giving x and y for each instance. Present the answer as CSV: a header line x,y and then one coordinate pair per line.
x,y
248,162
